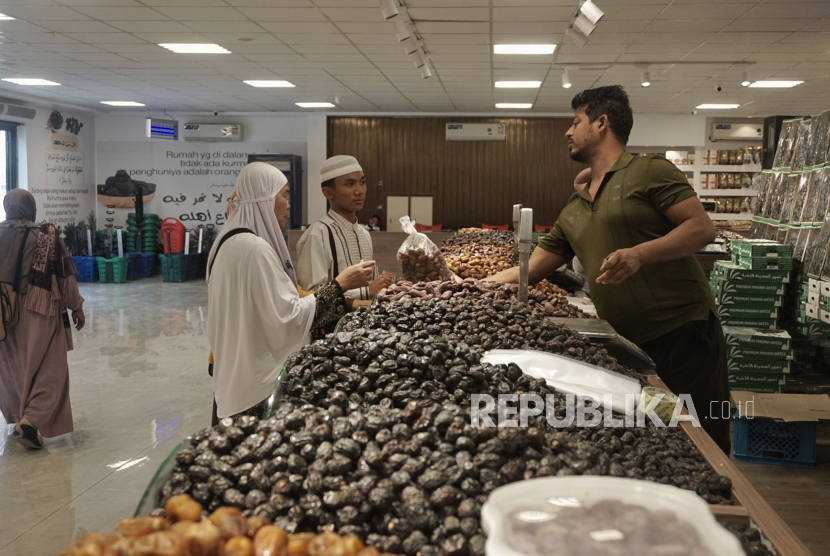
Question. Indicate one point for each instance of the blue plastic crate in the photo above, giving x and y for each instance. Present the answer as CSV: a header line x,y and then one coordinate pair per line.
x,y
146,263
132,266
763,440
192,265
87,269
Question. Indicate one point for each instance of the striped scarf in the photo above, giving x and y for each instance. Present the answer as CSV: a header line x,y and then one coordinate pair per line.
x,y
46,264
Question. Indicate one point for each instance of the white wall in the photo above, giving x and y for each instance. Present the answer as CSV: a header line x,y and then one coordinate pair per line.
x,y
122,144
668,130
60,203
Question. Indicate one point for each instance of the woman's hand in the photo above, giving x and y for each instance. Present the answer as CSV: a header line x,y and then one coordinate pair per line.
x,y
383,281
78,318
356,276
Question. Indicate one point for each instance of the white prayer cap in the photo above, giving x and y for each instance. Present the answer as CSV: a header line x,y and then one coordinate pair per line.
x,y
337,166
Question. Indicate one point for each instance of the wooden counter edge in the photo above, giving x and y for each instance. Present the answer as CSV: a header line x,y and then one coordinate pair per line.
x,y
771,525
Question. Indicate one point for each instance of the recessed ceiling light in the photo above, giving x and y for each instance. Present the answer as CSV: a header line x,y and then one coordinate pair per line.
x,y
776,84
514,105
524,48
315,105
518,84
27,81
4,17
716,106
267,83
121,103
189,48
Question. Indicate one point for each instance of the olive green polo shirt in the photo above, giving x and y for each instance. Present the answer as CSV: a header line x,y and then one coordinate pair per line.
x,y
629,209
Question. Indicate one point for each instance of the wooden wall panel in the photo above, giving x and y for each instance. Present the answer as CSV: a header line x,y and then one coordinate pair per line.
x,y
473,182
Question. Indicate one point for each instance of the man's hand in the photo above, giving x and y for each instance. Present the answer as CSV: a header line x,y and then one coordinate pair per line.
x,y
619,265
79,319
383,281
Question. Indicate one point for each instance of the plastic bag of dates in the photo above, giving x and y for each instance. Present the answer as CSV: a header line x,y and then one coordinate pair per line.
x,y
421,260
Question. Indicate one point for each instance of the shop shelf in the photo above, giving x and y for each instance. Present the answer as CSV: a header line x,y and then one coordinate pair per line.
x,y
87,269
173,268
726,192
112,270
763,440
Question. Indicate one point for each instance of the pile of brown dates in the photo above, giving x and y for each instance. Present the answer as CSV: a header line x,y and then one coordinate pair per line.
x,y
483,325
544,296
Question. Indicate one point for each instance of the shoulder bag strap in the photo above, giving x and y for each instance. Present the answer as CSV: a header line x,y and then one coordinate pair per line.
x,y
226,237
333,250
19,268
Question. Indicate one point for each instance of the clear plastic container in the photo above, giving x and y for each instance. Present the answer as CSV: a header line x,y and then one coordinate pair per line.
x,y
514,511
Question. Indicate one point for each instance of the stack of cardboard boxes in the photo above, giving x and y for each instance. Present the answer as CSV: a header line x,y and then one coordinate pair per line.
x,y
749,293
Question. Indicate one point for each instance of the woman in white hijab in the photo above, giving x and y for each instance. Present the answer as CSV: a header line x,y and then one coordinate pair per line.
x,y
256,317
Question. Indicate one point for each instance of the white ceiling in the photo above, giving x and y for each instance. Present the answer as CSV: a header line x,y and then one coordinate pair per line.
x,y
107,50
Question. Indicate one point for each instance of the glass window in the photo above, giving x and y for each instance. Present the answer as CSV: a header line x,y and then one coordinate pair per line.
x,y
8,161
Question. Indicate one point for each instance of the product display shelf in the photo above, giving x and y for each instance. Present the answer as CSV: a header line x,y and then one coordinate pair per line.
x,y
746,498
731,216
726,192
719,168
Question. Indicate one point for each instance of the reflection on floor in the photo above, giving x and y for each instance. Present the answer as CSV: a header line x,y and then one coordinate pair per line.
x,y
139,385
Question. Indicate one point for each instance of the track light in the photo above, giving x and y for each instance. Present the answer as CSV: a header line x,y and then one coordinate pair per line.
x,y
591,12
418,59
577,38
745,82
566,79
389,8
402,30
584,25
425,71
646,79
409,45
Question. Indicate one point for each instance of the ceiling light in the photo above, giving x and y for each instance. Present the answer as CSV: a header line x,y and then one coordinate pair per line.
x,y
566,79
268,83
425,71
315,104
389,8
577,38
34,82
716,106
524,48
121,103
402,30
4,17
418,59
776,84
645,79
584,25
591,12
745,82
518,84
192,48
514,105
409,45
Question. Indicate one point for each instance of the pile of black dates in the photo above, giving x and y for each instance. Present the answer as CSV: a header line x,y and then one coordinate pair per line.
x,y
483,325
409,481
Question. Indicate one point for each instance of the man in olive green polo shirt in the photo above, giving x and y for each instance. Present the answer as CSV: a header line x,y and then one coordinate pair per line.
x,y
636,228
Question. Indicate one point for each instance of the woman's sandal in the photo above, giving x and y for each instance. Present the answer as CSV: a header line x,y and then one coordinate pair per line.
x,y
28,436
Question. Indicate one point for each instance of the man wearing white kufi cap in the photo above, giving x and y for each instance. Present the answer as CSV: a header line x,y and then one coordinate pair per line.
x,y
337,241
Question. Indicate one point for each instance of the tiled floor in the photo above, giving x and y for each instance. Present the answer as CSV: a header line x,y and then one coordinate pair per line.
x,y
139,385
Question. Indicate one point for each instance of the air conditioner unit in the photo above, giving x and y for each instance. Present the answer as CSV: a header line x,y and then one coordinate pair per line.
x,y
212,132
475,132
16,111
737,132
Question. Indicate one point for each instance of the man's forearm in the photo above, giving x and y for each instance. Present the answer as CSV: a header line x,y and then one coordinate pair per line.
x,y
683,241
542,265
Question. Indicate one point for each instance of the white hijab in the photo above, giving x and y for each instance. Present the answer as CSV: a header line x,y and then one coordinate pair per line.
x,y
257,187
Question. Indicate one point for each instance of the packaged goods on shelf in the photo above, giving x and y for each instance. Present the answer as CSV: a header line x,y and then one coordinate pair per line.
x,y
744,287
802,145
753,248
752,339
771,323
738,352
759,365
727,312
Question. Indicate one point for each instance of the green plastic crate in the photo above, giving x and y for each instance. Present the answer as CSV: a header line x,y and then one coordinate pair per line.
x,y
112,271
173,268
